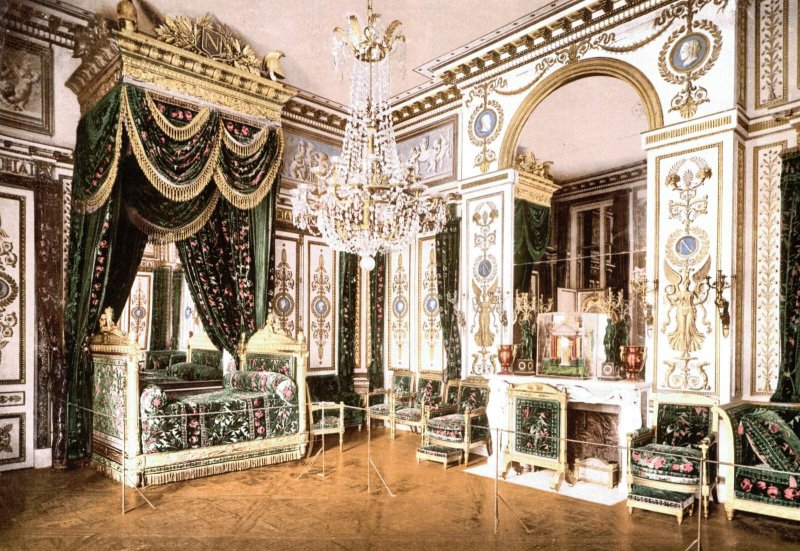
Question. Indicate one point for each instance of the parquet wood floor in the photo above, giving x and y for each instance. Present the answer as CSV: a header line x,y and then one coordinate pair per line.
x,y
269,508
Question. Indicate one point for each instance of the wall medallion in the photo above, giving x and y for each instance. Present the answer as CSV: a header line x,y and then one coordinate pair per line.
x,y
486,300
400,306
485,123
283,303
320,307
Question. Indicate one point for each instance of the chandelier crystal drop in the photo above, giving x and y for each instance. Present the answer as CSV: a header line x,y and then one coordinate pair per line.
x,y
365,201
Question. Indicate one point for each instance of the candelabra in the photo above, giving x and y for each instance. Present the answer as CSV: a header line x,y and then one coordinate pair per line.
x,y
527,308
642,289
719,286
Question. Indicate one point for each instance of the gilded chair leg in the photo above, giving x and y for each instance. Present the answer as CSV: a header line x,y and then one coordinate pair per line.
x,y
680,518
630,510
705,507
341,441
557,480
729,512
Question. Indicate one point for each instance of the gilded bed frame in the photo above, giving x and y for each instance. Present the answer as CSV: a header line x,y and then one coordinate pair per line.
x,y
115,360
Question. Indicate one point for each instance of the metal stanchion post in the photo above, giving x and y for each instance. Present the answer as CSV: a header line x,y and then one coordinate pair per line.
x,y
124,446
497,449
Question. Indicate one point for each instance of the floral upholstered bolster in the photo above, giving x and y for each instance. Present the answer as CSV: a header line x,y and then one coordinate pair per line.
x,y
187,371
451,427
772,439
381,410
262,381
667,463
761,483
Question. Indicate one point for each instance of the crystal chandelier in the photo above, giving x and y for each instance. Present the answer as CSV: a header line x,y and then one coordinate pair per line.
x,y
366,202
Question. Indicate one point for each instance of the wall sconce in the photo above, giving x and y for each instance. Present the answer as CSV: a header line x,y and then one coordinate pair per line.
x,y
641,288
719,286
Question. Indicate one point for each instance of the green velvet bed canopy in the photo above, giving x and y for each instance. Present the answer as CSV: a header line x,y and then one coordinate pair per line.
x,y
154,167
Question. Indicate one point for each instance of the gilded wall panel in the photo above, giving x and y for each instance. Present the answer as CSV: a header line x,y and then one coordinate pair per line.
x,y
286,297
137,315
399,310
485,233
766,266
321,307
689,192
772,53
17,377
429,327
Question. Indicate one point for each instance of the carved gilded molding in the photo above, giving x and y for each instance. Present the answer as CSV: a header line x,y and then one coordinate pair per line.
x,y
534,189
771,53
140,59
738,280
766,267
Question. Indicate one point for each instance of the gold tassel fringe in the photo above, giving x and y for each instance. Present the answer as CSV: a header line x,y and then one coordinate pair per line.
x,y
248,201
99,198
223,467
160,234
165,187
245,150
179,133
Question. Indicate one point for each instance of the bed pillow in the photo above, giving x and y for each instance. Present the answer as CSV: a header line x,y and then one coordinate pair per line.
x,y
188,371
153,399
772,439
262,381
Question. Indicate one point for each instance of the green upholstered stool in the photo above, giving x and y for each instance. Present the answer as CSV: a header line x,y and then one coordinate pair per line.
x,y
443,455
660,501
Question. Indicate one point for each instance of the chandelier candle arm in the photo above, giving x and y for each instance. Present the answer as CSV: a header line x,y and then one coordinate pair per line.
x,y
365,201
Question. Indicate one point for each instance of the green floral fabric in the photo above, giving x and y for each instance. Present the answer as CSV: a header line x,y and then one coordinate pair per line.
x,y
162,359
683,425
325,388
448,251
656,496
211,358
284,365
409,414
222,417
348,319
537,426
451,427
772,439
674,464
428,391
109,396
762,483
472,398
401,384
788,387
377,296
186,371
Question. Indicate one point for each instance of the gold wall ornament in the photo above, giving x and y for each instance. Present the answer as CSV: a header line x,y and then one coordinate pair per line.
x,y
209,38
363,42
487,303
431,325
283,304
485,123
766,178
685,295
527,162
688,374
400,306
320,306
771,52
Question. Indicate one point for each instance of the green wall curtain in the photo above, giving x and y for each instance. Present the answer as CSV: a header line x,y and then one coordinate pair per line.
x,y
348,320
175,308
448,251
788,389
105,251
377,297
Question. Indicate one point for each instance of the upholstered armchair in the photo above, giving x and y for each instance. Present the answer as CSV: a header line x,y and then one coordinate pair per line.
x,y
461,421
667,457
428,394
401,388
538,415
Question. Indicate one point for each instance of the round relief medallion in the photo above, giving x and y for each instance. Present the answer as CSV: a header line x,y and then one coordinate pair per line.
x,y
321,307
689,52
187,313
485,267
431,304
8,290
485,123
400,306
139,312
284,305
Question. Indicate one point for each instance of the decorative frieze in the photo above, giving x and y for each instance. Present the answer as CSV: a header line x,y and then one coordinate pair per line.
x,y
771,52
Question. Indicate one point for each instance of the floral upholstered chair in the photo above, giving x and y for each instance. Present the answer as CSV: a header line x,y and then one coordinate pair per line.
x,y
538,415
461,421
667,457
428,394
401,389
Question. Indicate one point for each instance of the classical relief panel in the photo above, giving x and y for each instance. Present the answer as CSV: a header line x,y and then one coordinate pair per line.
x,y
429,326
26,85
321,306
485,287
286,296
432,151
304,153
772,43
687,206
16,328
766,266
398,269
136,316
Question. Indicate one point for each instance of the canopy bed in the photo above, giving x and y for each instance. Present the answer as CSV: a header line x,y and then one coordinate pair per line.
x,y
174,145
